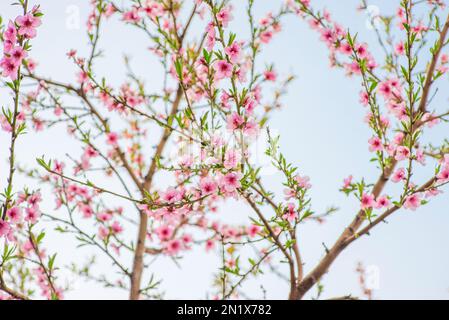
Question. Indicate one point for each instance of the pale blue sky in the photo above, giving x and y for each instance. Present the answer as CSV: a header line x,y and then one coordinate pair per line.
x,y
322,131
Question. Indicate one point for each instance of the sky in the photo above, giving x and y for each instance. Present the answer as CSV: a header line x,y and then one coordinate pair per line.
x,y
322,131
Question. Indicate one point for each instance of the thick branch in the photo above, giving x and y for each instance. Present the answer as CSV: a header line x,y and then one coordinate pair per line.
x,y
341,243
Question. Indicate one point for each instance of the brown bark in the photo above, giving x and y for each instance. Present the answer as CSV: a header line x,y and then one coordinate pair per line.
x,y
350,233
311,279
136,275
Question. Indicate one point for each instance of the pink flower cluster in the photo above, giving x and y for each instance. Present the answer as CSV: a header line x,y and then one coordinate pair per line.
x,y
83,199
299,184
14,37
25,209
173,244
368,201
151,9
44,285
335,38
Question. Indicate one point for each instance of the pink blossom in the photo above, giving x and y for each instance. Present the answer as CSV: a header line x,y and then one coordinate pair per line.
x,y
443,175
82,77
5,125
58,111
14,214
233,52
328,36
223,69
109,10
420,156
210,38
398,175
186,240
17,54
10,33
445,160
266,36
21,197
58,167
362,50
86,210
231,181
234,121
345,48
172,195
347,182
364,98
186,161
224,99
290,214
173,247
241,72
34,199
132,16
430,120
10,68
391,149
31,215
266,21
289,193
249,105
103,232
27,25
112,139
38,124
231,263
385,90
164,233
5,228
303,182
224,16
90,152
375,144
398,138
232,159
153,9
400,49
270,75
104,216
208,185
116,227
412,202
252,230
251,128
384,121
27,247
210,244
432,192
367,201
10,38
402,153
382,202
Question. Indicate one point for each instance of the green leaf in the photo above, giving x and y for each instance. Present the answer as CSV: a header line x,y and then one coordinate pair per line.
x,y
40,237
51,261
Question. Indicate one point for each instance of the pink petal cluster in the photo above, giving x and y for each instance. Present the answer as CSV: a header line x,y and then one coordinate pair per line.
x,y
15,34
412,202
